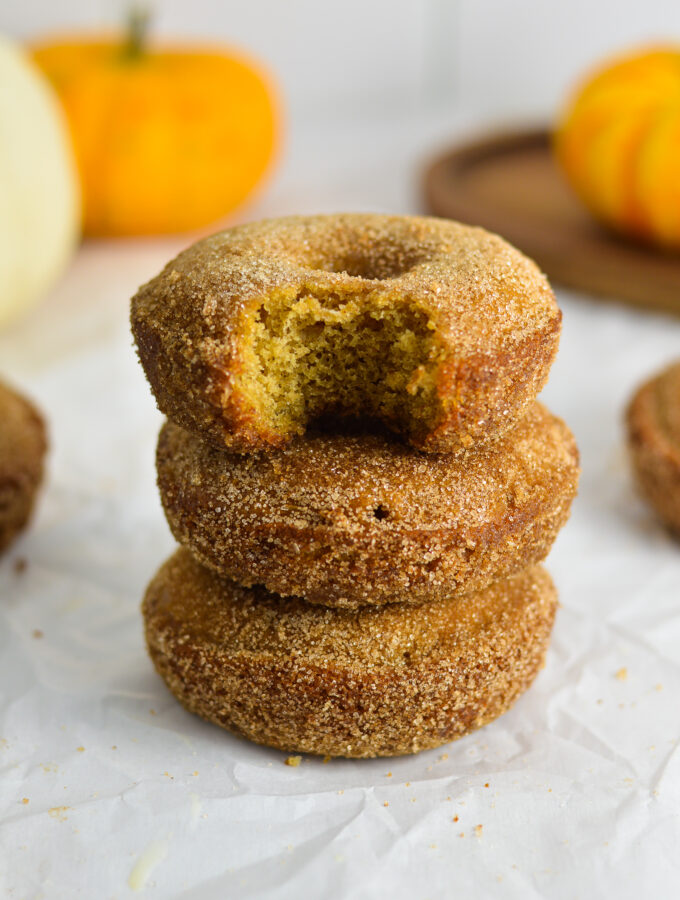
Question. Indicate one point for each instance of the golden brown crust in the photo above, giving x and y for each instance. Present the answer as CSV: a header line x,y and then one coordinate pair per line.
x,y
653,421
357,683
23,444
490,307
345,520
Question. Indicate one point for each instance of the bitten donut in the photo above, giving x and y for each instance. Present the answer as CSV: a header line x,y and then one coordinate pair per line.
x,y
23,444
352,519
443,332
373,682
653,421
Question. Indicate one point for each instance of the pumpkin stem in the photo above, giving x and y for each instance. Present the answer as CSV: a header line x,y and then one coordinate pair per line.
x,y
139,18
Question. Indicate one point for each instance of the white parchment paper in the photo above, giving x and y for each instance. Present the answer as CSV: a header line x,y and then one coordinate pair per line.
x,y
108,789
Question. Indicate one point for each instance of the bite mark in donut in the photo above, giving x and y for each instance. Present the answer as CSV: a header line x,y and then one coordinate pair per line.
x,y
311,355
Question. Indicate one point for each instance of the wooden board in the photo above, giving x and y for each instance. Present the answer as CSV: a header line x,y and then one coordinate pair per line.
x,y
511,185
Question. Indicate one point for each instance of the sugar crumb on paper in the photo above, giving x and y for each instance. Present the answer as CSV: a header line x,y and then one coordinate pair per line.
x,y
58,812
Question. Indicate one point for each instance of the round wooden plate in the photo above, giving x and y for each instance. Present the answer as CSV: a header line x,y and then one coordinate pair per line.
x,y
511,185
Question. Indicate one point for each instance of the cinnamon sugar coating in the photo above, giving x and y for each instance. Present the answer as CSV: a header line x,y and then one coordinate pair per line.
x,y
352,519
23,444
653,422
357,683
444,332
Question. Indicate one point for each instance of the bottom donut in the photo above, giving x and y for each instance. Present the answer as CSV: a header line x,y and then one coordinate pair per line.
x,y
375,681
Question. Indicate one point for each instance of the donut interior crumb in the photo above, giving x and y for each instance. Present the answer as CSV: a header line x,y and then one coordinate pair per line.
x,y
311,354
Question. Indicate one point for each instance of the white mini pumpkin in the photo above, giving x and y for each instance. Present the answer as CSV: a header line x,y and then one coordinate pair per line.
x,y
39,195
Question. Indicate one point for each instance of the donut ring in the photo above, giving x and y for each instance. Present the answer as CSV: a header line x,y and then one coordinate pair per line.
x,y
23,444
374,682
443,332
346,520
653,421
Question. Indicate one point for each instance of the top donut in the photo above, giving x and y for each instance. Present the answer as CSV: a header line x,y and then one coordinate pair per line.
x,y
443,332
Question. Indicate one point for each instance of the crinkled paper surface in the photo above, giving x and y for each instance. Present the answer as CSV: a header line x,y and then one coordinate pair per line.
x,y
108,789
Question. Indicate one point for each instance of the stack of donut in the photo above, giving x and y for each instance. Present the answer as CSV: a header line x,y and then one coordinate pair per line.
x,y
360,477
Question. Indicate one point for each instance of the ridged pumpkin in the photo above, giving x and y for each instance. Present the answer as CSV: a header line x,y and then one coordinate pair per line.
x,y
166,140
619,144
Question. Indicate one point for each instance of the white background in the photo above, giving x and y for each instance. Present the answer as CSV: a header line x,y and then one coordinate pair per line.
x,y
583,775
496,57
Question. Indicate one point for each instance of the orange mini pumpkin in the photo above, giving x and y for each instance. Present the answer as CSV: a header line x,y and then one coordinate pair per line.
x,y
166,140
619,144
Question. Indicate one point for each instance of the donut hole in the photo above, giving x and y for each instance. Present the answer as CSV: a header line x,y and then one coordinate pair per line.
x,y
380,512
381,260
310,357
374,267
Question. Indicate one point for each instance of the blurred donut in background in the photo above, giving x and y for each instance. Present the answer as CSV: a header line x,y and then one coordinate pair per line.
x,y
23,443
653,421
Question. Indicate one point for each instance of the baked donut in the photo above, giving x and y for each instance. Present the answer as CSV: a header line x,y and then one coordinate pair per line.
x,y
653,421
352,519
443,332
371,682
23,443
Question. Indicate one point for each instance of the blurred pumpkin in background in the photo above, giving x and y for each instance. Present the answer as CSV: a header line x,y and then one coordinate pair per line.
x,y
167,139
619,144
39,201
